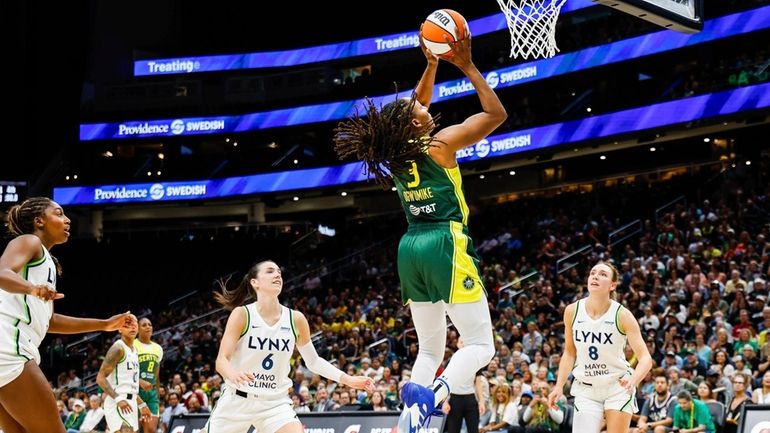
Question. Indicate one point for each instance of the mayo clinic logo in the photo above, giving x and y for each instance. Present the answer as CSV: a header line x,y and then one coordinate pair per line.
x,y
177,126
482,148
157,191
493,79
354,428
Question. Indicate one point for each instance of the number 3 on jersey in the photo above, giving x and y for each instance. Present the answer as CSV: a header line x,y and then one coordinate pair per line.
x,y
415,174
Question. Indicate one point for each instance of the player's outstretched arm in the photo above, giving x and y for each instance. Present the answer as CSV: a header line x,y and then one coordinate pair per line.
x,y
17,254
318,365
424,89
480,125
61,324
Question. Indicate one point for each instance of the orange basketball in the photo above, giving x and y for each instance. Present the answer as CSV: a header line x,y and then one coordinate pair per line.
x,y
440,26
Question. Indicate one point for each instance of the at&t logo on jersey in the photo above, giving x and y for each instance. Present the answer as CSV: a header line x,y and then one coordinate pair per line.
x,y
427,209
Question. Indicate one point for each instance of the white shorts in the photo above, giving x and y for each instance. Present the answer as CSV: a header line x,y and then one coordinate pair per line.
x,y
116,419
235,414
16,348
597,398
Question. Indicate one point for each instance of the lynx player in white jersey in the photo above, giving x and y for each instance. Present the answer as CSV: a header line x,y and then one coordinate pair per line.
x,y
119,378
596,331
27,290
255,353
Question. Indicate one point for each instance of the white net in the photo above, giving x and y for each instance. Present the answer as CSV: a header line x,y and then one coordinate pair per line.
x,y
533,26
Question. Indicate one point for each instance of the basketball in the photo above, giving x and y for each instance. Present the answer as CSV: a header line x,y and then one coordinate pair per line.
x,y
440,26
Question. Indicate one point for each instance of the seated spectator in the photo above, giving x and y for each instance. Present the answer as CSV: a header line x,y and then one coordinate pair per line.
x,y
706,392
194,406
691,416
538,417
94,417
761,395
741,382
378,402
658,409
174,408
76,417
504,413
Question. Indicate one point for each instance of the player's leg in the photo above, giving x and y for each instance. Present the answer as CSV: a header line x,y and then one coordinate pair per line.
x,y
468,309
150,425
29,401
617,421
619,409
474,325
8,424
430,324
588,417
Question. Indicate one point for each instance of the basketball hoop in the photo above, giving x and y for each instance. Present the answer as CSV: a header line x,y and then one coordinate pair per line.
x,y
533,26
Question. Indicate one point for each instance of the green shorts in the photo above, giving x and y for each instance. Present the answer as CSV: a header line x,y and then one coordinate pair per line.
x,y
437,262
151,398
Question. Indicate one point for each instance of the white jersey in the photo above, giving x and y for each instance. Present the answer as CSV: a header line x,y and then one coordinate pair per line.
x,y
30,315
600,357
265,351
125,378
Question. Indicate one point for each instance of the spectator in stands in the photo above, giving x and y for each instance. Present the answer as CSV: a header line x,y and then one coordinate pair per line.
x,y
658,408
76,417
691,416
28,275
322,401
62,410
741,382
677,383
504,413
397,148
761,395
95,416
174,408
194,406
540,416
706,392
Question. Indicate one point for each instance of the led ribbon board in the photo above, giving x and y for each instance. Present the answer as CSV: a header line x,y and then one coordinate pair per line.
x,y
323,53
634,48
601,126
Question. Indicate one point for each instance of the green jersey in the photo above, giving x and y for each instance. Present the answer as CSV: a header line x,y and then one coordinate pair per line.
x,y
150,356
430,193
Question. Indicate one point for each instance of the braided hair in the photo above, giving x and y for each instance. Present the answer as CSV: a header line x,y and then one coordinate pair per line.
x,y
21,218
385,139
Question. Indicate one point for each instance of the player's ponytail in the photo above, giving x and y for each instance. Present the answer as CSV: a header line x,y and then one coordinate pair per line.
x,y
231,299
385,139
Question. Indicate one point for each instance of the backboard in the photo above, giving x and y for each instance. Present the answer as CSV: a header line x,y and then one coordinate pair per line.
x,y
681,15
